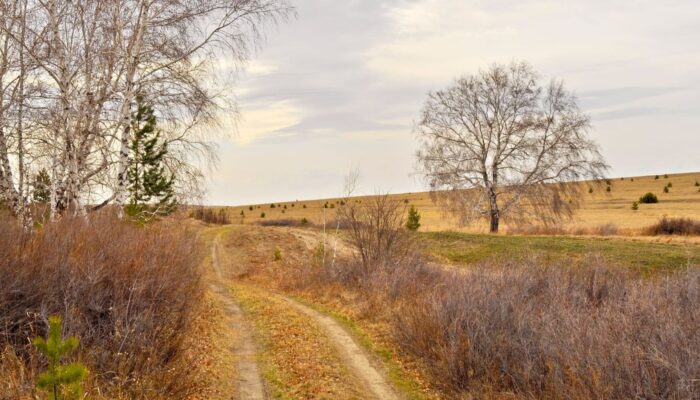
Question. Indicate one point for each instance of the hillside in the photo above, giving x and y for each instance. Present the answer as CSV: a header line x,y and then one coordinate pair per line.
x,y
598,208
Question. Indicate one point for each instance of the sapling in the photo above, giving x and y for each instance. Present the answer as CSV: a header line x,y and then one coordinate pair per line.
x,y
413,221
60,381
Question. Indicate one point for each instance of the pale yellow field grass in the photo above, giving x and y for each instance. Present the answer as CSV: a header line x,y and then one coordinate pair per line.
x,y
598,208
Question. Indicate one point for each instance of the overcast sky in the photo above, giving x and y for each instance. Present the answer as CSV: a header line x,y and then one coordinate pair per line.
x,y
340,86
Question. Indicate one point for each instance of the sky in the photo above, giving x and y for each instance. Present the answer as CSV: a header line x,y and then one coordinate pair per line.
x,y
340,86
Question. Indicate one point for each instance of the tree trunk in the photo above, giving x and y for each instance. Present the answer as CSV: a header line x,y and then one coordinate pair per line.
x,y
495,220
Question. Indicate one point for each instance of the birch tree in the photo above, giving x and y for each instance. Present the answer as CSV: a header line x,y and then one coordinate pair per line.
x,y
499,144
86,61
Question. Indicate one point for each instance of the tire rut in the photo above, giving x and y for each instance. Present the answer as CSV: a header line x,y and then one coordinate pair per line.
x,y
352,354
250,384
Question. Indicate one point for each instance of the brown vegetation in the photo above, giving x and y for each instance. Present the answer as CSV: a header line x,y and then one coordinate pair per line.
x,y
211,216
129,293
674,226
532,330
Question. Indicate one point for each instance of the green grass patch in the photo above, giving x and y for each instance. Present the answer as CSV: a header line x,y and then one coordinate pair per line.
x,y
465,249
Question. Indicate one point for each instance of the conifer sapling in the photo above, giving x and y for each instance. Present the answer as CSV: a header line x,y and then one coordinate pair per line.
x,y
60,381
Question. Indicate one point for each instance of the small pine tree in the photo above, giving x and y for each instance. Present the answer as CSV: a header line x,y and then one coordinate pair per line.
x,y
42,187
151,188
60,381
413,221
635,206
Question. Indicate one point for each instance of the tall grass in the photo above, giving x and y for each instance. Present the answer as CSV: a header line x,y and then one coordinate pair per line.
x,y
129,293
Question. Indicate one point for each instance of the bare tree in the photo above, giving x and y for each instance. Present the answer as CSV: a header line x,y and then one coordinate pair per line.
x,y
500,145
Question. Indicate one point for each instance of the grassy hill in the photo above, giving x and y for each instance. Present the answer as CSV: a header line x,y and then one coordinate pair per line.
x,y
598,208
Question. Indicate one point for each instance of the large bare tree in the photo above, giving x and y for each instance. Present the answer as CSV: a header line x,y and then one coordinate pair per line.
x,y
499,144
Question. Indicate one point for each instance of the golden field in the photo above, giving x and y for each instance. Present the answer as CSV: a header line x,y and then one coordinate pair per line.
x,y
598,208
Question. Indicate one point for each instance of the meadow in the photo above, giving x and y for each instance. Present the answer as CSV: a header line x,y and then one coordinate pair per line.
x,y
598,209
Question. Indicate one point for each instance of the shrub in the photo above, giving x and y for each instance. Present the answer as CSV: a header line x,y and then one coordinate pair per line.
x,y
272,206
278,254
303,205
304,221
665,176
656,177
635,206
262,215
590,190
242,213
132,304
697,183
632,179
478,331
413,220
648,198
376,230
665,189
250,208
210,216
674,226
669,185
607,189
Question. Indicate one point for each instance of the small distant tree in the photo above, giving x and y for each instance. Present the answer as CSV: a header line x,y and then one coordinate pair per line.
x,y
42,187
499,144
665,189
635,206
413,220
150,186
60,381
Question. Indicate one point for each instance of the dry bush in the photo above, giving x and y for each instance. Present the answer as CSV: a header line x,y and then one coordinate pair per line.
x,y
211,216
376,228
129,293
674,226
531,330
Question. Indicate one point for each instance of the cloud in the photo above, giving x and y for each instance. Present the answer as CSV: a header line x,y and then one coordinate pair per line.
x,y
341,86
259,123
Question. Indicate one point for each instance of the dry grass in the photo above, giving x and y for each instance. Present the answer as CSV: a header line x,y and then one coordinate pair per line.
x,y
130,294
598,209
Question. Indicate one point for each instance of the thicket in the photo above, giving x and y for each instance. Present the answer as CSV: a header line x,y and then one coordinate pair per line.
x,y
130,293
